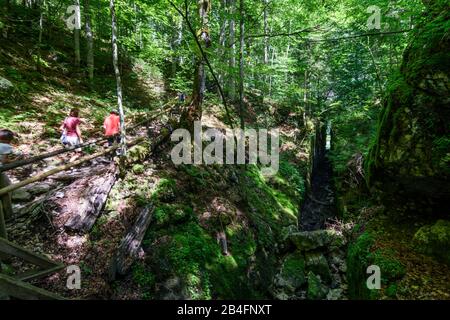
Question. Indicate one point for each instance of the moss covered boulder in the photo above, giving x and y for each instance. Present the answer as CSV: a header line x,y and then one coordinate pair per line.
x,y
311,240
292,275
316,290
317,263
410,159
434,240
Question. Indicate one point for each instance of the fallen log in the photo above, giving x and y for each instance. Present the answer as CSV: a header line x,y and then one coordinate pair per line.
x,y
131,243
85,199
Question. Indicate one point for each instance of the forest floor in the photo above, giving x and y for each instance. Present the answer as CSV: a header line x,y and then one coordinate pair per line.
x,y
425,278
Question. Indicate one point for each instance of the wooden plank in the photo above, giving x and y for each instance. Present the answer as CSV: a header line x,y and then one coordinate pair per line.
x,y
22,290
131,243
36,274
12,249
91,200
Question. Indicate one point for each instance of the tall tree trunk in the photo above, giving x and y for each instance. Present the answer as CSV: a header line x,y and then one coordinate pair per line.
x,y
270,77
115,56
241,63
222,37
76,34
266,45
266,30
195,108
41,28
90,42
232,61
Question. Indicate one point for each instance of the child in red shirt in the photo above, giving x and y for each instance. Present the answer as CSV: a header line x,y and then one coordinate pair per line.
x,y
112,127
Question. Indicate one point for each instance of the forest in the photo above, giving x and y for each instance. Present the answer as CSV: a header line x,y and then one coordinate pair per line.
x,y
225,150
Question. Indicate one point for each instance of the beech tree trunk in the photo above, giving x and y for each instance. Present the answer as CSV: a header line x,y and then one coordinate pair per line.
x,y
90,42
115,56
232,61
241,64
194,112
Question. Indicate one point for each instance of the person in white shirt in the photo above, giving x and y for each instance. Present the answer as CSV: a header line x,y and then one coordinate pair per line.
x,y
6,151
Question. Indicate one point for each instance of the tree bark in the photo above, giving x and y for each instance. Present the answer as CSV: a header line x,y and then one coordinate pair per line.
x,y
266,31
194,112
241,63
232,61
91,193
115,56
131,243
222,38
41,28
90,42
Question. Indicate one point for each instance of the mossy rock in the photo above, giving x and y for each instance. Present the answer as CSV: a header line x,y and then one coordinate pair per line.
x,y
138,169
361,255
311,240
409,161
292,275
316,290
434,240
317,263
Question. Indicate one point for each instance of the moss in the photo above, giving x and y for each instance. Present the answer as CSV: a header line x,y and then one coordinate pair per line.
x,y
362,254
434,240
165,189
358,259
138,169
293,270
316,290
169,214
391,268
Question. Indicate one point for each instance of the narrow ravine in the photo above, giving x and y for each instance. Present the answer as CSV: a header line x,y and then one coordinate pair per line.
x,y
319,205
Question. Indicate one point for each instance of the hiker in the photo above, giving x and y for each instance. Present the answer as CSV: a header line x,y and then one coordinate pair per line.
x,y
112,127
6,155
71,135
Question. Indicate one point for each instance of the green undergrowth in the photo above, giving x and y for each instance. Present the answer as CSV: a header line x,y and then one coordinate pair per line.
x,y
193,205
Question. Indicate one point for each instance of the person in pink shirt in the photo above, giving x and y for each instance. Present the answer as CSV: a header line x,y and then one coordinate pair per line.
x,y
71,130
